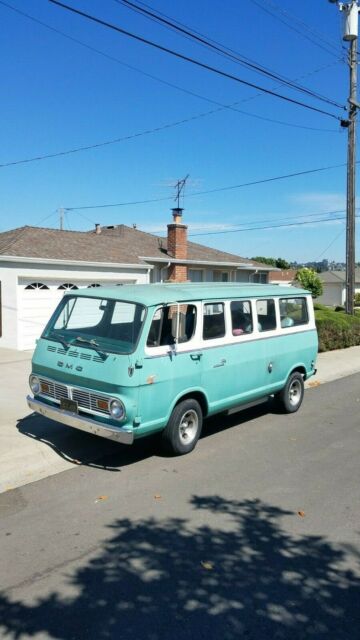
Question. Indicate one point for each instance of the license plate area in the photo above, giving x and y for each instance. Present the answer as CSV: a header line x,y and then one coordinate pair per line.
x,y
69,405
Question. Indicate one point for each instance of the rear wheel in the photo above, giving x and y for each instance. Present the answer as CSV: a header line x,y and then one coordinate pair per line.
x,y
184,427
291,396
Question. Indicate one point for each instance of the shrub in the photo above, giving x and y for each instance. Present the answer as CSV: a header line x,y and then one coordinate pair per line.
x,y
357,299
336,330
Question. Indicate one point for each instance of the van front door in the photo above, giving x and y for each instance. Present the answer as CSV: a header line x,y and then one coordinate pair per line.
x,y
171,366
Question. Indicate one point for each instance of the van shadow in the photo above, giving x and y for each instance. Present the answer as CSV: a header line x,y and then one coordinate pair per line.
x,y
83,449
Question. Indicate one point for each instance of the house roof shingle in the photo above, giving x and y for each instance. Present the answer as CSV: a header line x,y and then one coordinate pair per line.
x,y
120,244
336,277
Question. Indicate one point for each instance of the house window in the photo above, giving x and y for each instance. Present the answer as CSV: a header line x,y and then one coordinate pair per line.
x,y
220,276
68,285
196,275
36,285
259,277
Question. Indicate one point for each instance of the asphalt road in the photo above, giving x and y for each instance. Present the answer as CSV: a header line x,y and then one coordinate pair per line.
x,y
254,535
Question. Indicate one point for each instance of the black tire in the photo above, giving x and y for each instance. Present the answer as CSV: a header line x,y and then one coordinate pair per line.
x,y
291,396
184,427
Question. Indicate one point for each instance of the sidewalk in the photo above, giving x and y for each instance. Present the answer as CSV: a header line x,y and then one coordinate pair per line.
x,y
32,448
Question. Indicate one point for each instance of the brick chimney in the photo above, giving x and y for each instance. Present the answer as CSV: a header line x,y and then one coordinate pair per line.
x,y
177,246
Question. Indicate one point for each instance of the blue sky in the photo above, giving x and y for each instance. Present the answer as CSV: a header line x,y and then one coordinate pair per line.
x,y
59,95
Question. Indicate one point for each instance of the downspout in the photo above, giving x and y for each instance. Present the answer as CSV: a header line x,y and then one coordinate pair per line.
x,y
251,276
162,269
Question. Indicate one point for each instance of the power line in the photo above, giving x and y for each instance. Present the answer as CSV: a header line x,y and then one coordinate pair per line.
x,y
278,226
191,60
171,84
218,189
223,51
108,142
276,12
268,221
330,245
256,182
221,106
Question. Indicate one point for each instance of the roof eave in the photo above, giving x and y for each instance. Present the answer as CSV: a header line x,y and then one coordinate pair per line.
x,y
206,263
117,265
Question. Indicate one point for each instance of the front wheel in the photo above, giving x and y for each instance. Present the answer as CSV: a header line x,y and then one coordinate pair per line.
x,y
184,427
291,396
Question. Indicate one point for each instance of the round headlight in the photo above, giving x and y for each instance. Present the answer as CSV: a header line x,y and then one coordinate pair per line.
x,y
34,383
117,409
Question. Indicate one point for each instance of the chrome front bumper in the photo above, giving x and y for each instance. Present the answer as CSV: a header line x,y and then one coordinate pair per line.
x,y
120,434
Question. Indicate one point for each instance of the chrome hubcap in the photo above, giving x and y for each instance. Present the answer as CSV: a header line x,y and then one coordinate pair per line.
x,y
295,393
188,427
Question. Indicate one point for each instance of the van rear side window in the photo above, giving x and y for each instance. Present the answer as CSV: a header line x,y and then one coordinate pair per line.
x,y
214,321
293,312
266,314
241,317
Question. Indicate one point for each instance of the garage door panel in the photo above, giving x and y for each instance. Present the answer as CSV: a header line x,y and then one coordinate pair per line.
x,y
36,305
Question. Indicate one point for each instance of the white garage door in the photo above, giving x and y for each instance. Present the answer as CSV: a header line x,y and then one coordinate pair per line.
x,y
38,300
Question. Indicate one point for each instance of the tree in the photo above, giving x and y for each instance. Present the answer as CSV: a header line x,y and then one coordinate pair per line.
x,y
309,279
269,261
282,264
273,262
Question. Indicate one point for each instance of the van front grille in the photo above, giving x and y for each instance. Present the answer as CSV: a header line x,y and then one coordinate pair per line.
x,y
86,400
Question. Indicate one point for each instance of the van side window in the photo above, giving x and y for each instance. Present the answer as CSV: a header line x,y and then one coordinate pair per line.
x,y
266,314
213,321
175,323
241,317
293,312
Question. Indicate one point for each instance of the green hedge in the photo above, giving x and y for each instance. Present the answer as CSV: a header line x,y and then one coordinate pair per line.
x,y
336,329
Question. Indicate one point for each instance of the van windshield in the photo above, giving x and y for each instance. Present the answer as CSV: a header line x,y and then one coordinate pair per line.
x,y
100,324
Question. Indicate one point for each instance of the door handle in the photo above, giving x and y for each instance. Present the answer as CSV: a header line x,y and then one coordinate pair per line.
x,y
220,364
195,356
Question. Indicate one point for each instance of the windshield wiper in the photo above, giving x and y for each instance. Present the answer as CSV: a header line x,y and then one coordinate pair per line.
x,y
55,336
95,345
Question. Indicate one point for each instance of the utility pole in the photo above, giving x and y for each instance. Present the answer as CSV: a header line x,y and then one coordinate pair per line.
x,y
351,24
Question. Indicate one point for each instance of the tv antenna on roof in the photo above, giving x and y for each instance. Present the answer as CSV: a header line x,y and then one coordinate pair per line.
x,y
180,188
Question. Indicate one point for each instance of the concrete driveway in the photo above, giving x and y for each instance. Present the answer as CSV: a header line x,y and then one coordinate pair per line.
x,y
32,447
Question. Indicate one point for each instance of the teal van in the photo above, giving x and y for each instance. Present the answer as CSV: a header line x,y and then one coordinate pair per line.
x,y
132,360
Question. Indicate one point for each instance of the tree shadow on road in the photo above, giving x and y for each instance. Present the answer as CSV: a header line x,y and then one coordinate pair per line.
x,y
240,575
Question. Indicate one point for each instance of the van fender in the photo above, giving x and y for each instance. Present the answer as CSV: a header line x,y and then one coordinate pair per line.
x,y
197,393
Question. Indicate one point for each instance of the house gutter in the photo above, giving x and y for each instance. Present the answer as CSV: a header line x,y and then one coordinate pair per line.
x,y
207,263
77,263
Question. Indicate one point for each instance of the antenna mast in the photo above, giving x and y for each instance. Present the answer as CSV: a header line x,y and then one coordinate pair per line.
x,y
180,188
